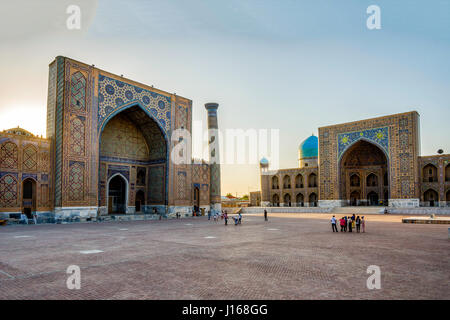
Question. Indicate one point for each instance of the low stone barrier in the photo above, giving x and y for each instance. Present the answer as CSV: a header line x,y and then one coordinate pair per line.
x,y
287,210
420,210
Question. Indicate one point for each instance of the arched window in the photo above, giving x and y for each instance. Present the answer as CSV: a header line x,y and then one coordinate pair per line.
x,y
275,200
312,180
313,200
286,182
355,197
300,199
8,155
275,182
431,198
354,180
372,198
372,180
287,200
447,173
429,173
299,181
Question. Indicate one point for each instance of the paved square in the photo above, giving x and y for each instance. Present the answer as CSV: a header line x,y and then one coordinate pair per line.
x,y
293,256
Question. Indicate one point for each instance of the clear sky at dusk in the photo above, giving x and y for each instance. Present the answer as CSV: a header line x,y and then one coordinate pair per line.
x,y
288,65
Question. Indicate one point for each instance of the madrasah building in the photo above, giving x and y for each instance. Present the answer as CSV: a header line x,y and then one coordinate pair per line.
x,y
373,162
107,151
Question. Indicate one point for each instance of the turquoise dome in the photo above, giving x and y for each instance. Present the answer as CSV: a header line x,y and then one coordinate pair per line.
x,y
264,161
309,148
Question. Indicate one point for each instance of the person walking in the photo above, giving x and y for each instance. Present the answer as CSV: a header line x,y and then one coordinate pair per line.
x,y
345,224
240,218
333,224
358,224
225,216
342,223
363,224
265,215
350,224
209,214
24,218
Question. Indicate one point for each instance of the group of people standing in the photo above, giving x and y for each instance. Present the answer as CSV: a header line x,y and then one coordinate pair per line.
x,y
349,223
224,216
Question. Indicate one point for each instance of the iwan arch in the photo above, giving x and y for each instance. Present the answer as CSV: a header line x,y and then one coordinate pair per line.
x,y
107,151
373,162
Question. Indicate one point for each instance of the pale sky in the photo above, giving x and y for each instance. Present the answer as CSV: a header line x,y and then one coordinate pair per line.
x,y
290,65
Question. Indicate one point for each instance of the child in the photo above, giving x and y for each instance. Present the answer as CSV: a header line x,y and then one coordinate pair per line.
x,y
363,224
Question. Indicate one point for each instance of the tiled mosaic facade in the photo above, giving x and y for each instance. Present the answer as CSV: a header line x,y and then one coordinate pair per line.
x,y
24,157
99,126
368,162
396,135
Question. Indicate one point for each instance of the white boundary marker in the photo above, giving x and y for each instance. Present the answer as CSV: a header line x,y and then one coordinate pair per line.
x,y
90,251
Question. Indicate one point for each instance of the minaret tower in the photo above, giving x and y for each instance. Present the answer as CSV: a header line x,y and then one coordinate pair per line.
x,y
265,185
214,157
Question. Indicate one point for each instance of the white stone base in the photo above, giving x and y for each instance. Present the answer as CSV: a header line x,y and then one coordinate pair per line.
x,y
184,211
149,208
404,203
265,203
286,210
331,203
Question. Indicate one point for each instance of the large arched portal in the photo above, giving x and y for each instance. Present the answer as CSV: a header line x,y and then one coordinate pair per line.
x,y
366,160
133,145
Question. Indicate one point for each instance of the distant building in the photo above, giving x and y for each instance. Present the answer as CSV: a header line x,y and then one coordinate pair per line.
x,y
107,151
368,162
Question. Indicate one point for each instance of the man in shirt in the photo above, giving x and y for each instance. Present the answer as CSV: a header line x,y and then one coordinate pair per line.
x,y
333,224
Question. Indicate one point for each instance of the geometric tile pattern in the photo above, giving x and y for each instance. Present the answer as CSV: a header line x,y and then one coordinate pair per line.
x,y
30,158
78,91
8,191
58,129
112,94
8,155
77,132
378,135
76,181
122,139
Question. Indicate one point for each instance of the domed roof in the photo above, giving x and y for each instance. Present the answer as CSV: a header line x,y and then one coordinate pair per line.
x,y
309,148
264,161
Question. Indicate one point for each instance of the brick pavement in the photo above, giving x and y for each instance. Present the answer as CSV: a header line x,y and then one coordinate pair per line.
x,y
300,259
